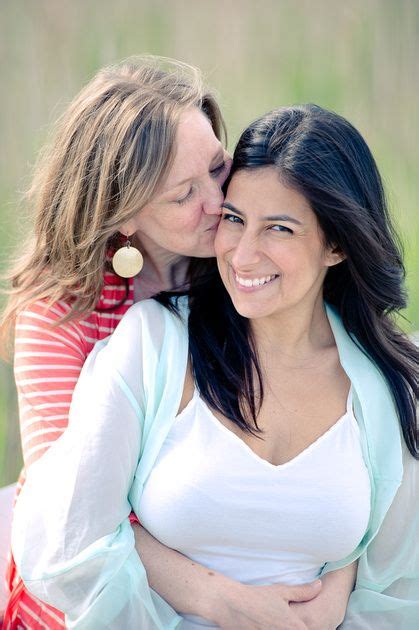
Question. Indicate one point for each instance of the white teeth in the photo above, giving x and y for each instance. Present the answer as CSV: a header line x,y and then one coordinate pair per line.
x,y
256,282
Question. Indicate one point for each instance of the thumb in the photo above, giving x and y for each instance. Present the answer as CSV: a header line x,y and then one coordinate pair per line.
x,y
304,592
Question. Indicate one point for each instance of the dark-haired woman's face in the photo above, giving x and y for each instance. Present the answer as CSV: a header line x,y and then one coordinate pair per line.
x,y
269,246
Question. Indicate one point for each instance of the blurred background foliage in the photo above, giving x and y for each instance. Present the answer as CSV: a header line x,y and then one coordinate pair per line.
x,y
357,57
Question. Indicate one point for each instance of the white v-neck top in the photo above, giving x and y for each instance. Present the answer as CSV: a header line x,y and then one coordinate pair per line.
x,y
82,490
213,499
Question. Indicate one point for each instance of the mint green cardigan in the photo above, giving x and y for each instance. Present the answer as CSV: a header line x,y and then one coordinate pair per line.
x,y
72,540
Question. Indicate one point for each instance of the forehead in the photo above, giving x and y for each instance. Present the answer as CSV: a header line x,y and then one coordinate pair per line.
x,y
260,192
196,147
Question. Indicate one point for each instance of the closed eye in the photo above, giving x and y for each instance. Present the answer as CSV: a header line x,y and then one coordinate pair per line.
x,y
186,197
218,169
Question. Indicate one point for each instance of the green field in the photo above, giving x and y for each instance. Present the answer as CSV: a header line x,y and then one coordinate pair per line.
x,y
358,57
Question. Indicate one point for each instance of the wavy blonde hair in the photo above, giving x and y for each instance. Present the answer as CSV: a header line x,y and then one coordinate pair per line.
x,y
111,150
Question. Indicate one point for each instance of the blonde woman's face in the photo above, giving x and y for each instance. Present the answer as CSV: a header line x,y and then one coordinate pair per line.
x,y
183,217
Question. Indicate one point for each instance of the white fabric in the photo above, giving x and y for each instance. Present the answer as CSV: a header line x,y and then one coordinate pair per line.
x,y
213,499
71,538
387,589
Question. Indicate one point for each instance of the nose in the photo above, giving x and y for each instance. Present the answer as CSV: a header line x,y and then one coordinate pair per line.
x,y
247,253
212,198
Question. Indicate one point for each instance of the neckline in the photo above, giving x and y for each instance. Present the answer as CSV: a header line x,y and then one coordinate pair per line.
x,y
197,399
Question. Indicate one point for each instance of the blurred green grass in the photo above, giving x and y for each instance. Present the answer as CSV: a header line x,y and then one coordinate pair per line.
x,y
358,58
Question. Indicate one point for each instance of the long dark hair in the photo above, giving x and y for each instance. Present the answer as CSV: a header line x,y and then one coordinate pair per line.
x,y
322,156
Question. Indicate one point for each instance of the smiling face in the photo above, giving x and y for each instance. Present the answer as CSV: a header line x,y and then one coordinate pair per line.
x,y
183,217
269,246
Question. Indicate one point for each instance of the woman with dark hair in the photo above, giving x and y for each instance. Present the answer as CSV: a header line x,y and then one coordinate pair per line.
x,y
264,424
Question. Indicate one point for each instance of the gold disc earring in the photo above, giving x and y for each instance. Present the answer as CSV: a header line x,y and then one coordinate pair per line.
x,y
127,261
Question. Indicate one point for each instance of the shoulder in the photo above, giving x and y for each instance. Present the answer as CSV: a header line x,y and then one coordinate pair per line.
x,y
143,318
143,311
45,313
146,334
41,322
151,319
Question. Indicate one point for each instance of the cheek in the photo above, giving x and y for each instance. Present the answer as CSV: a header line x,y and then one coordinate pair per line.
x,y
286,255
190,218
302,265
218,243
222,262
182,222
222,241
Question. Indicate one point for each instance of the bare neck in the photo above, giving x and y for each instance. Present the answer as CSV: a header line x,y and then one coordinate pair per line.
x,y
162,270
293,337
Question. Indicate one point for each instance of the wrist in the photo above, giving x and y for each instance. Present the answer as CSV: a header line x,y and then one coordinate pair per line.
x,y
189,587
225,596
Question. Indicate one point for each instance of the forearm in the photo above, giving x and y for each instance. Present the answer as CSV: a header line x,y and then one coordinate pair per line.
x,y
188,587
193,589
341,581
328,610
340,584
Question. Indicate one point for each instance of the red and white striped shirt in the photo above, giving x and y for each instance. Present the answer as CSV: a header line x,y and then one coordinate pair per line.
x,y
47,364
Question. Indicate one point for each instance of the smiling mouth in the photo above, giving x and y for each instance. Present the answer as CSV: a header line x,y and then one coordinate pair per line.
x,y
255,282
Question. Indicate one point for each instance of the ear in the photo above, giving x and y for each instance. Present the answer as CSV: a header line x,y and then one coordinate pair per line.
x,y
334,256
128,228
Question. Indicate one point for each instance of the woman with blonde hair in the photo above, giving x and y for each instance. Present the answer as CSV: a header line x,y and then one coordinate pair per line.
x,y
127,193
131,182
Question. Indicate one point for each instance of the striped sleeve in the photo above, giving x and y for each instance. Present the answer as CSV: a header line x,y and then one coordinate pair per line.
x,y
47,363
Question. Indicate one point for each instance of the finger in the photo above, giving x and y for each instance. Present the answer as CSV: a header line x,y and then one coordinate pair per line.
x,y
303,592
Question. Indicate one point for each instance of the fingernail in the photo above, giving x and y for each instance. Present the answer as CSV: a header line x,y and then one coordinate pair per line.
x,y
317,583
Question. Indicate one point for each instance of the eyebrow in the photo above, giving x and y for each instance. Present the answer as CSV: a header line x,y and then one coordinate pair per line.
x,y
276,217
217,156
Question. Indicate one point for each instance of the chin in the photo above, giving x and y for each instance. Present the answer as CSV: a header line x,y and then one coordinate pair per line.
x,y
248,311
205,252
